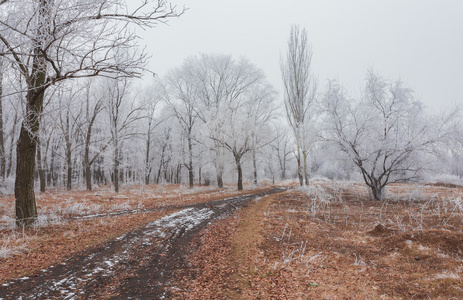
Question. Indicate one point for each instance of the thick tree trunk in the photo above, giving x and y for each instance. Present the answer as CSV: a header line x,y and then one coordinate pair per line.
x,y
376,191
219,167
87,170
240,172
26,210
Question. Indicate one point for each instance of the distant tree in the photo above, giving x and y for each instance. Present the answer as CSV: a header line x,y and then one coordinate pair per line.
x,y
383,133
93,106
238,101
282,147
182,96
151,98
299,93
69,113
122,119
51,41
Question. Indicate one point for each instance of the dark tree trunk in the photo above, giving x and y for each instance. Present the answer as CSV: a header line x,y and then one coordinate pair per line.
x,y
219,179
190,162
254,163
116,171
69,168
147,158
199,176
240,173
87,171
26,210
41,170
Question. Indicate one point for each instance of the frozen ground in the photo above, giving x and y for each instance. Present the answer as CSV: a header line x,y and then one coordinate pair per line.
x,y
137,265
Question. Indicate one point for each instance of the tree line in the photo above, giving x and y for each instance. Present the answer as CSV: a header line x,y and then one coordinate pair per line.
x,y
73,114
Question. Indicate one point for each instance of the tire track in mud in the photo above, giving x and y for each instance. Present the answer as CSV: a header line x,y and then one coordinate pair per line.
x,y
137,265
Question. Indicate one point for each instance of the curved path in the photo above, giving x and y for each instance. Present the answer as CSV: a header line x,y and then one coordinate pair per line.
x,y
136,265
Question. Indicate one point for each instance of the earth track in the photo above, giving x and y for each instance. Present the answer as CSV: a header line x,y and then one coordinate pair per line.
x,y
137,265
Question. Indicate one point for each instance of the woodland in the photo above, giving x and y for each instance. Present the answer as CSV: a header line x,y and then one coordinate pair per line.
x,y
73,113
86,131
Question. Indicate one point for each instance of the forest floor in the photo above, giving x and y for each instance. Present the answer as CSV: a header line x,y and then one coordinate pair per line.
x,y
327,241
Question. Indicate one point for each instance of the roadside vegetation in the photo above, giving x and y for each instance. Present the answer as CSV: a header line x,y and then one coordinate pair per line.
x,y
330,240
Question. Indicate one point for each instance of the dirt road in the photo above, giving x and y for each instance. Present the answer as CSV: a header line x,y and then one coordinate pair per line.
x,y
137,265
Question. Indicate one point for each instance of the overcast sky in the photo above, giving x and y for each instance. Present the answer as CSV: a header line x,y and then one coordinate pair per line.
x,y
418,41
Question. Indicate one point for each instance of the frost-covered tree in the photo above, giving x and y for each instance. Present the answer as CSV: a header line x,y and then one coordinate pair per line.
x,y
299,94
53,40
122,115
151,98
230,92
182,96
383,133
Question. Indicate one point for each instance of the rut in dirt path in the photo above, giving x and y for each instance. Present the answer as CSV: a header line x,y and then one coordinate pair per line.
x,y
136,265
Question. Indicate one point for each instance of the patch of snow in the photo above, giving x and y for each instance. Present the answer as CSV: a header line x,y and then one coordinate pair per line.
x,y
187,218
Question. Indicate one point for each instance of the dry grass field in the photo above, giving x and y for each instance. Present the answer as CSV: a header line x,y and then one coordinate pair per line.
x,y
330,241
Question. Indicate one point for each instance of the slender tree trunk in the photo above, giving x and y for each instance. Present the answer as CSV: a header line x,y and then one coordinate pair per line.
x,y
2,143
116,169
41,170
87,170
69,167
190,161
12,137
199,176
147,159
254,163
306,171
299,167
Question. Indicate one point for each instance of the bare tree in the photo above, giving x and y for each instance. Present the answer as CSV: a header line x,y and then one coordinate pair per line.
x,y
50,41
93,107
239,101
299,93
182,96
151,99
122,117
384,133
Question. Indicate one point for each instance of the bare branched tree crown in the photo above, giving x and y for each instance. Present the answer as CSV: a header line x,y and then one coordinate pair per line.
x,y
383,133
48,41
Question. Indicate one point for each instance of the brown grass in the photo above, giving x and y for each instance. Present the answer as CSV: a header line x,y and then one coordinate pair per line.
x,y
333,242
